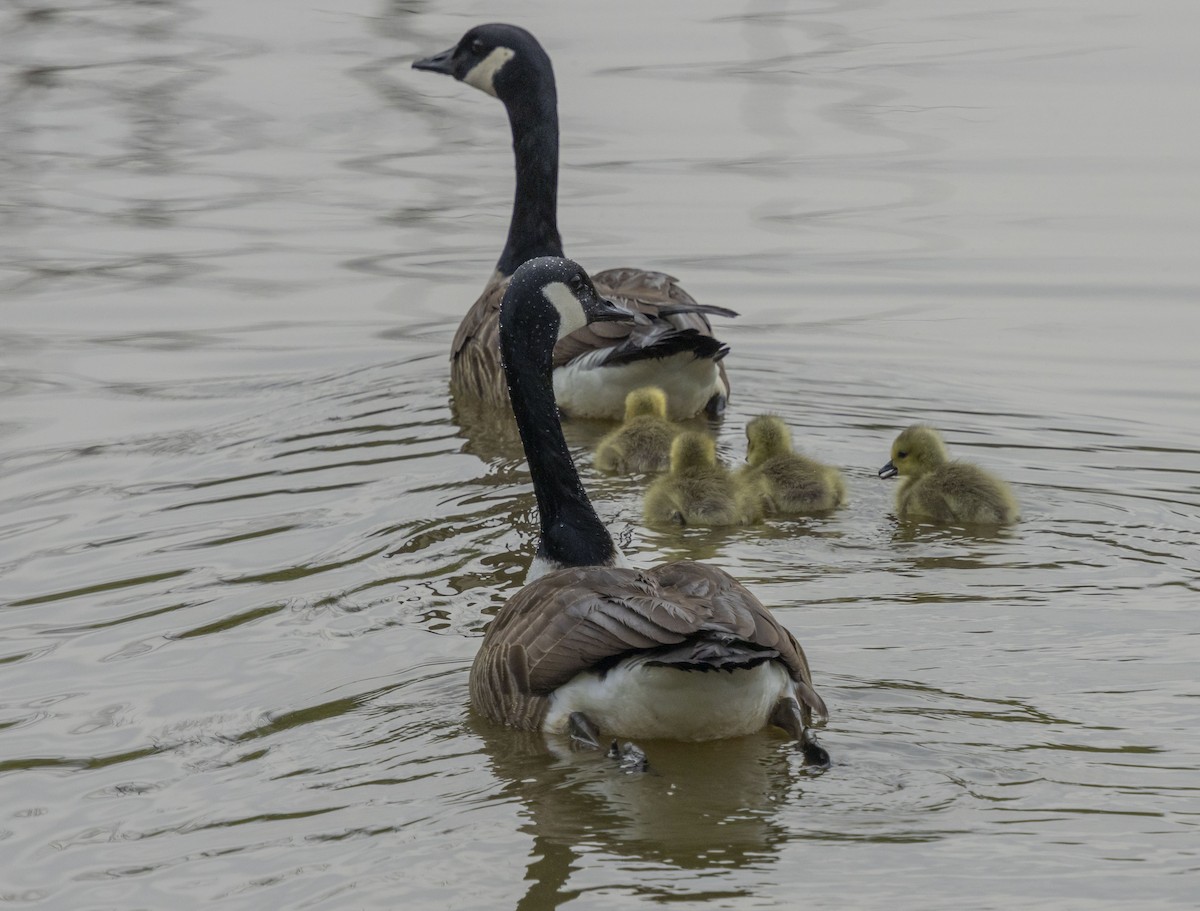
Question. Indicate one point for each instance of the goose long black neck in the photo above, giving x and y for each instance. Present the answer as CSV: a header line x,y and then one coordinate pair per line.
x,y
533,115
571,532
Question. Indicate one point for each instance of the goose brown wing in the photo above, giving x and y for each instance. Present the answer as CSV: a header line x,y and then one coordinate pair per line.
x,y
587,617
657,295
733,606
475,367
675,323
674,316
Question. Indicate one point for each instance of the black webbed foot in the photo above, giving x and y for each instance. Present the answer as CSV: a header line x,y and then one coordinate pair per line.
x,y
814,753
789,716
630,757
715,407
583,731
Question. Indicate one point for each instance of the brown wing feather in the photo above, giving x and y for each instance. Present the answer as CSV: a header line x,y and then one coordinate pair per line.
x,y
575,619
475,368
637,289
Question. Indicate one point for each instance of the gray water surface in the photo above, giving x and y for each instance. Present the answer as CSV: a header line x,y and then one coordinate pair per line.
x,y
247,550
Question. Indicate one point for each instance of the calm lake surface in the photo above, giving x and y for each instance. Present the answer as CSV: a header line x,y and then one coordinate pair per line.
x,y
247,550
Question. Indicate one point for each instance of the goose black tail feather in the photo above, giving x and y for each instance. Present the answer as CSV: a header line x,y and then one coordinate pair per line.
x,y
707,309
712,653
666,344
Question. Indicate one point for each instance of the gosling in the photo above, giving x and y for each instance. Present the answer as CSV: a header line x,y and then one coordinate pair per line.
x,y
786,482
643,442
698,490
933,487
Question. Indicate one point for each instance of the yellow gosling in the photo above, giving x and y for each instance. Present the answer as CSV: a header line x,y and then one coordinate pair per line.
x,y
698,490
786,482
643,442
933,487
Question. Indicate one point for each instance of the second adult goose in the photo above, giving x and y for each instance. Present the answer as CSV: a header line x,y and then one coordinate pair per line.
x,y
681,651
595,366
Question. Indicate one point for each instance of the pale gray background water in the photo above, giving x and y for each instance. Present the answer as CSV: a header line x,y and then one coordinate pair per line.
x,y
246,552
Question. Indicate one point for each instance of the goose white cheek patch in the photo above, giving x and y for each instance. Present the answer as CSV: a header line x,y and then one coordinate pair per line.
x,y
483,74
570,311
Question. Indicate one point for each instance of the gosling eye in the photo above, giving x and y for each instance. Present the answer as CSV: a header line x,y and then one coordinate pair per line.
x,y
902,455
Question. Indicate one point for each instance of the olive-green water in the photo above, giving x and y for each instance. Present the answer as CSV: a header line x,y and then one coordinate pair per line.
x,y
247,550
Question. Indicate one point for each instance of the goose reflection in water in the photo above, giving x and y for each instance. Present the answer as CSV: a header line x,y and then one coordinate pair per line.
x,y
701,807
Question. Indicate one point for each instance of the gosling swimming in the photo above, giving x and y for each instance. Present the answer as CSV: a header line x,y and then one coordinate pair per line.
x,y
643,442
786,482
933,487
698,490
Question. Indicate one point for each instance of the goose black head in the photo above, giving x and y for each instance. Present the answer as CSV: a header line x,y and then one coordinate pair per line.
x,y
503,60
547,299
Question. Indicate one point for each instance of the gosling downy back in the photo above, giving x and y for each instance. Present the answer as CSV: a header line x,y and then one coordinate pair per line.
x,y
643,442
786,482
698,490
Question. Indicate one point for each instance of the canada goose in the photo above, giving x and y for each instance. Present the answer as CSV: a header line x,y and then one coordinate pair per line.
x,y
643,442
596,366
787,482
933,487
678,652
698,490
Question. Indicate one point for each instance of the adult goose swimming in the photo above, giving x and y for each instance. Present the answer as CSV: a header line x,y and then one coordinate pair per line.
x,y
595,366
591,647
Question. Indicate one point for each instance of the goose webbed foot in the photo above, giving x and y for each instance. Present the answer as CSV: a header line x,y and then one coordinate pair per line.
x,y
583,731
585,735
630,757
814,753
789,716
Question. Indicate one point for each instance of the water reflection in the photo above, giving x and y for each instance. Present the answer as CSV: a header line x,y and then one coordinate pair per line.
x,y
701,807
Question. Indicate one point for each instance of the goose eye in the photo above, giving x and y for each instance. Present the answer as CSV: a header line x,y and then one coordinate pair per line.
x,y
476,46
577,284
